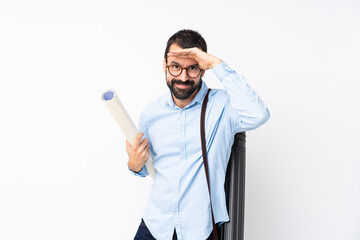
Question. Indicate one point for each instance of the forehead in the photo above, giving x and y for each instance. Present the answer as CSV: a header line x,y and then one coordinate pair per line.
x,y
184,62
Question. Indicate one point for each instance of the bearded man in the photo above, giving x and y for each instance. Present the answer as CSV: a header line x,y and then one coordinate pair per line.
x,y
178,206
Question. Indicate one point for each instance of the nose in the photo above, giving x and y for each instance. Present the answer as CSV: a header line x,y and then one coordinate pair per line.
x,y
183,76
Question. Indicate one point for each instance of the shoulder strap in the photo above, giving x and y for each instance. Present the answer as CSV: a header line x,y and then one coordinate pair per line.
x,y
203,147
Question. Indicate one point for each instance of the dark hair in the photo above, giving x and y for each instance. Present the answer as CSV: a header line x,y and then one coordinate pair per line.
x,y
186,39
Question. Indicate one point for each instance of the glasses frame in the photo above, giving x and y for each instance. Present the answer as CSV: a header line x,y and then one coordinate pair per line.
x,y
167,67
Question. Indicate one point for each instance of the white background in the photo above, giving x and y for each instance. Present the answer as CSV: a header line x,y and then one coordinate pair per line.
x,y
63,172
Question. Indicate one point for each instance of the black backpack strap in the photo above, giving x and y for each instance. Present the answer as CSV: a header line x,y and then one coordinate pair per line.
x,y
204,153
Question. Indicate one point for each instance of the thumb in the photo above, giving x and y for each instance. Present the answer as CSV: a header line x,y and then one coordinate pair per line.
x,y
128,146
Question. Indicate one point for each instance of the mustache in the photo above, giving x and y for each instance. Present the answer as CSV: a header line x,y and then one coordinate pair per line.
x,y
187,82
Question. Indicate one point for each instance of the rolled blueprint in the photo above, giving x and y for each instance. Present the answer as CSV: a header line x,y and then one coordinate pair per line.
x,y
124,121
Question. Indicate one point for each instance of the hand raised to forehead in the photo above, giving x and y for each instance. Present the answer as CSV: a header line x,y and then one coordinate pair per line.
x,y
205,60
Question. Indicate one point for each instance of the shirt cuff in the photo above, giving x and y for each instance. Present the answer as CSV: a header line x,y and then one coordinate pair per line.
x,y
142,173
222,70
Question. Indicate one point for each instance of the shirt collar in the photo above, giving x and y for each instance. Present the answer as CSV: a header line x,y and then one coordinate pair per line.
x,y
197,99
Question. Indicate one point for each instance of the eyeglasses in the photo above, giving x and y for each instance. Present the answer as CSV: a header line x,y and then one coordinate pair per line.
x,y
192,71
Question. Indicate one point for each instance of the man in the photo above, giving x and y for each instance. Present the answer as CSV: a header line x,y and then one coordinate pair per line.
x,y
179,205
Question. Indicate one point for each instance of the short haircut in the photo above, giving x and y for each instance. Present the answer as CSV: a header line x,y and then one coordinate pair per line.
x,y
186,39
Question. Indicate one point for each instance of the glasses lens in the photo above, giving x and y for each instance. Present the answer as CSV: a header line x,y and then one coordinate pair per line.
x,y
193,71
174,70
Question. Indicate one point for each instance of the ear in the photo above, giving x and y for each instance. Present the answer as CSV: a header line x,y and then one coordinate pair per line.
x,y
203,73
164,65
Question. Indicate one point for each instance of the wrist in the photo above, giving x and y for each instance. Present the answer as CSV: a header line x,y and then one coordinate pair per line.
x,y
134,168
215,61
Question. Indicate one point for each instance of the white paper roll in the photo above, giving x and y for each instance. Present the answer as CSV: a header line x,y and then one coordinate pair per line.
x,y
123,119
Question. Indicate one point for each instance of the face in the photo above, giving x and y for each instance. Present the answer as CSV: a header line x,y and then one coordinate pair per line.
x,y
182,87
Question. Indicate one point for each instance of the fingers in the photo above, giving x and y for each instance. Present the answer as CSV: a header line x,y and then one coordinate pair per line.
x,y
138,145
137,141
188,52
144,144
198,55
146,153
128,146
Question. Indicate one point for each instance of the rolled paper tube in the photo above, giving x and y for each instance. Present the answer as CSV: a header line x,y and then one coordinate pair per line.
x,y
124,121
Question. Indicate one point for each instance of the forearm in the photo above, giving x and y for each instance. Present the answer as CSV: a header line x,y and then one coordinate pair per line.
x,y
251,110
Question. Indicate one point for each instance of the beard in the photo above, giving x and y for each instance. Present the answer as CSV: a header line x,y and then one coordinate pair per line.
x,y
183,94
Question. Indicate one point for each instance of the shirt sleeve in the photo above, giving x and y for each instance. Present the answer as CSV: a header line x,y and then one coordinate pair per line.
x,y
247,110
142,173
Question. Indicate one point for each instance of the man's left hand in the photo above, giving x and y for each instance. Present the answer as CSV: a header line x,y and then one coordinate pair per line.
x,y
205,60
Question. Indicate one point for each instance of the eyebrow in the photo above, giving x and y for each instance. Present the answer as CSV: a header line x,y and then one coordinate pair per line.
x,y
193,65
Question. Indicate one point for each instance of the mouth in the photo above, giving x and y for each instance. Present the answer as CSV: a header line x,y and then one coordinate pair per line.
x,y
182,86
